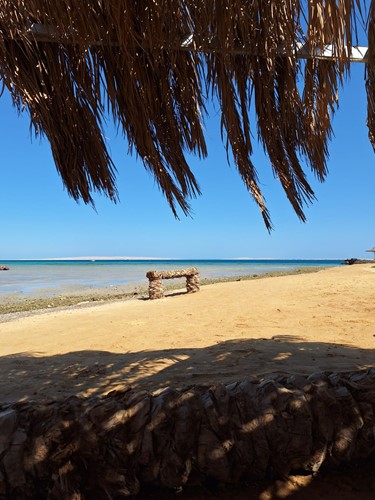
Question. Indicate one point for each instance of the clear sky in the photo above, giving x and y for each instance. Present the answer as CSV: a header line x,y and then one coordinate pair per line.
x,y
39,220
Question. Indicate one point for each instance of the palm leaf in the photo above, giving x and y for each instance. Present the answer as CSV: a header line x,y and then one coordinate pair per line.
x,y
68,62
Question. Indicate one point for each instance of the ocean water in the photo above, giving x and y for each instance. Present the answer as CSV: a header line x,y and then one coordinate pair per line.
x,y
51,277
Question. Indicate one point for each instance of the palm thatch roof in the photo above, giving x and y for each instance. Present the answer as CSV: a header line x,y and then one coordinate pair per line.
x,y
154,64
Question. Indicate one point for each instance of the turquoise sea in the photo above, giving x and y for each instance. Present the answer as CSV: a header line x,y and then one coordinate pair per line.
x,y
50,277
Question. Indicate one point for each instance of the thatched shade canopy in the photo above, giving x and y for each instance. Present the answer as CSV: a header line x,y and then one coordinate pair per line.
x,y
372,250
153,64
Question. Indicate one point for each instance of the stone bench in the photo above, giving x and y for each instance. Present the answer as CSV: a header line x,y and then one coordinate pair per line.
x,y
155,288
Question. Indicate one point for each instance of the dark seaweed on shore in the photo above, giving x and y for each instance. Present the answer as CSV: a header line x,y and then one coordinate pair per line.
x,y
62,301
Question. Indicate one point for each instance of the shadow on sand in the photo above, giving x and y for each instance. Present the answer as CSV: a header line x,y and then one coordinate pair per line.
x,y
29,376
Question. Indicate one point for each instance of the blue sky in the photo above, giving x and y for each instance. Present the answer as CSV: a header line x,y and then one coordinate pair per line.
x,y
39,220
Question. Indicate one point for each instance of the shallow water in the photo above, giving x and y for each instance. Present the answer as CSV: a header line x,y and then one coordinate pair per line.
x,y
28,278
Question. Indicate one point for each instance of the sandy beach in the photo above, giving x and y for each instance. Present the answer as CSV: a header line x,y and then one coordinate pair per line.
x,y
228,331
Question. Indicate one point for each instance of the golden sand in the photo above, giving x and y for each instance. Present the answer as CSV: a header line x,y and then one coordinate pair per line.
x,y
229,331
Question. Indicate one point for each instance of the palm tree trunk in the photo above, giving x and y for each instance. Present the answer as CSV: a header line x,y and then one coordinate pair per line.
x,y
108,447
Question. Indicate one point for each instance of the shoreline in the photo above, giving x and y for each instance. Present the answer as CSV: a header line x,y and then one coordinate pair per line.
x,y
16,305
309,322
241,330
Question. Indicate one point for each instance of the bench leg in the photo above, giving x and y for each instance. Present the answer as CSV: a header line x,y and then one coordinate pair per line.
x,y
192,283
155,289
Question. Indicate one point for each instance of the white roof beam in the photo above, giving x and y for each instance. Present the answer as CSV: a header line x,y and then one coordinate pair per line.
x,y
49,33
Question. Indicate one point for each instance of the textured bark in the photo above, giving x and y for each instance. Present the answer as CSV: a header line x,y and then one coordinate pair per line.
x,y
155,288
192,283
108,447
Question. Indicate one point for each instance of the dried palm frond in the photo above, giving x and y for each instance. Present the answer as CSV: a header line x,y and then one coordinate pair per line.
x,y
151,65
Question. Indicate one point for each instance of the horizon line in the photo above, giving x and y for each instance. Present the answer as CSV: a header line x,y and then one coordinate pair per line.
x,y
130,258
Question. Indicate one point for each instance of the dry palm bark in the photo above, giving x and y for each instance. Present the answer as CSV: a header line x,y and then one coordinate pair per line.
x,y
69,63
109,447
155,288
